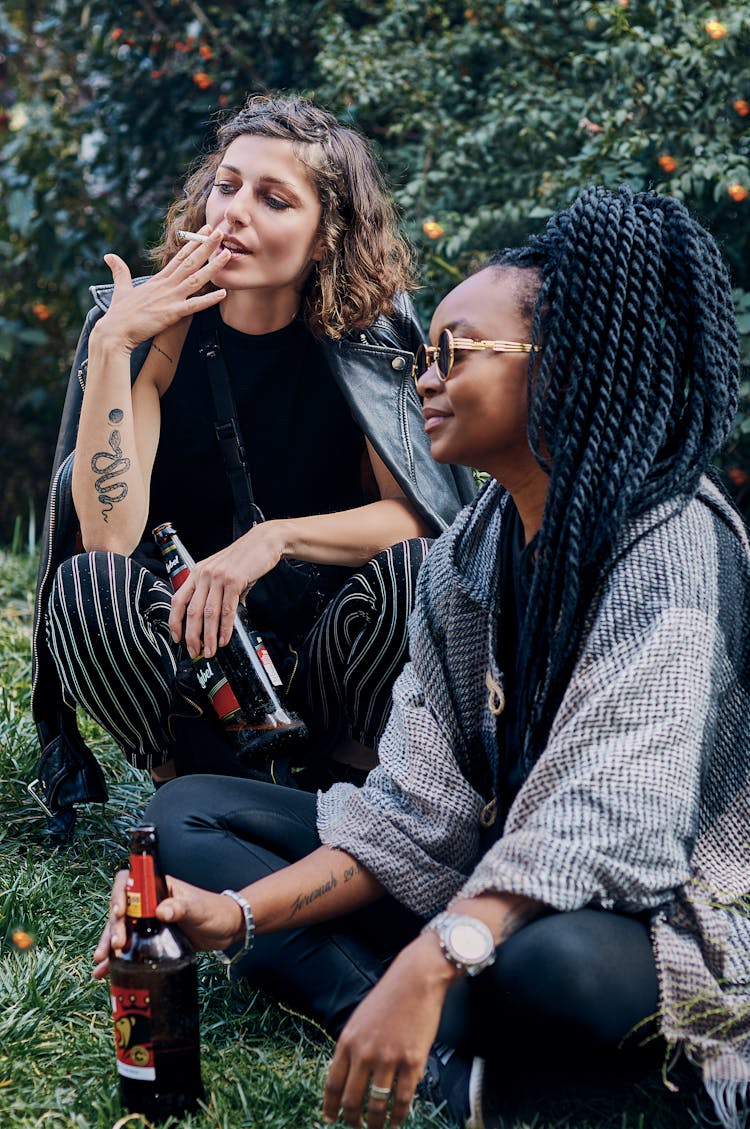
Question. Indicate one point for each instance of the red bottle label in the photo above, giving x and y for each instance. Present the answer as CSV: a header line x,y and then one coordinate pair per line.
x,y
131,1014
140,891
177,569
224,701
179,576
212,680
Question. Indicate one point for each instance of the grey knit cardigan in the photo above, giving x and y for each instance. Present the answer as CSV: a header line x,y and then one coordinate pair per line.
x,y
641,798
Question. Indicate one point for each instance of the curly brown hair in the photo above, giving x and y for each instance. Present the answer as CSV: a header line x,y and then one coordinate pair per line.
x,y
366,260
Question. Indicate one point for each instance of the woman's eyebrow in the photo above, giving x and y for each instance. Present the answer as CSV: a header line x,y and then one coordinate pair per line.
x,y
262,179
277,180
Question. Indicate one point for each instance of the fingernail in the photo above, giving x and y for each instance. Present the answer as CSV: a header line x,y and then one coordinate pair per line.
x,y
117,952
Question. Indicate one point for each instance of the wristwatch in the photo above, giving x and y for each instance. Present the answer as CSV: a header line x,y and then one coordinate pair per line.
x,y
466,941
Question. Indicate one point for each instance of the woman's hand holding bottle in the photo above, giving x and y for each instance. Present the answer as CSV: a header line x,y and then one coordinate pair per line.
x,y
210,921
206,604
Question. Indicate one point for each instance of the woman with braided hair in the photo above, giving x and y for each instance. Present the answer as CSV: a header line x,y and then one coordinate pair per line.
x,y
544,882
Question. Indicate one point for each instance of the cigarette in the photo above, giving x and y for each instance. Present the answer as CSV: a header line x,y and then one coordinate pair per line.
x,y
193,235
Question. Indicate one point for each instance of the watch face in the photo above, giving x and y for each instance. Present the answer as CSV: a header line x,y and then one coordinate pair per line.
x,y
468,943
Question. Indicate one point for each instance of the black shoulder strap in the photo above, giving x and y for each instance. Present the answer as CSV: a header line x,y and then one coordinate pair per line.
x,y
228,431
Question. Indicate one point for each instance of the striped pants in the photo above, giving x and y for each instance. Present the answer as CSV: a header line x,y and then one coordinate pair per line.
x,y
107,629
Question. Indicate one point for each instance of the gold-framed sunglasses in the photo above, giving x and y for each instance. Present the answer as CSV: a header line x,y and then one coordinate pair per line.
x,y
443,354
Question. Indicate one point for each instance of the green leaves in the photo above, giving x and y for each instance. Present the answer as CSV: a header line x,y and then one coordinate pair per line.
x,y
20,210
488,118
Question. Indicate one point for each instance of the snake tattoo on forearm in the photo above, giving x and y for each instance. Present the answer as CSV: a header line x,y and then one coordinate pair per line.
x,y
109,465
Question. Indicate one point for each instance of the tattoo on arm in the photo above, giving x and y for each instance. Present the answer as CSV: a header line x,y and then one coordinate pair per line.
x,y
311,896
155,346
518,918
108,465
350,872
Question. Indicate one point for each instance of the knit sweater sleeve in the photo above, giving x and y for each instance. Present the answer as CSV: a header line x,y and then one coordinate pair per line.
x,y
414,824
610,812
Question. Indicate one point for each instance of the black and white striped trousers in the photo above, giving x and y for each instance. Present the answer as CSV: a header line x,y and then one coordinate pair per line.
x,y
107,629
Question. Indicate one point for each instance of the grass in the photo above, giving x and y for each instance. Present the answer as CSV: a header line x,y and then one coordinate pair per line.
x,y
261,1066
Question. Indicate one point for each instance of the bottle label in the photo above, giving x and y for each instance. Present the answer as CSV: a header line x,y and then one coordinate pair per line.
x,y
178,573
140,891
131,1014
262,652
177,569
212,680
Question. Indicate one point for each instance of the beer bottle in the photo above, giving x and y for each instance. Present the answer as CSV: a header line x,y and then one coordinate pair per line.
x,y
241,681
154,993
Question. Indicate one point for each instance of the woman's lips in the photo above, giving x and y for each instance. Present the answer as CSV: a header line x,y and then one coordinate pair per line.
x,y
433,418
235,248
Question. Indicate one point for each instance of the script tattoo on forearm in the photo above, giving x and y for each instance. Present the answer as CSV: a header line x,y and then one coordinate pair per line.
x,y
351,871
303,900
110,465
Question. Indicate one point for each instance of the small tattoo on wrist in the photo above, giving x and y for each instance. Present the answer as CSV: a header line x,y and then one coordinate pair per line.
x,y
155,346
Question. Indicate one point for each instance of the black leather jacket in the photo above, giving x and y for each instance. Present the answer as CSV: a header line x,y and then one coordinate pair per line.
x,y
374,371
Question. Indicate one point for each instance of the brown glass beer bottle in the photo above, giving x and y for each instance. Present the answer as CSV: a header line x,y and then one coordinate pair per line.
x,y
154,993
241,681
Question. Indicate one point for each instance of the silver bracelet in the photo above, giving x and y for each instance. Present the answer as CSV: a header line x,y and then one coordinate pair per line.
x,y
247,913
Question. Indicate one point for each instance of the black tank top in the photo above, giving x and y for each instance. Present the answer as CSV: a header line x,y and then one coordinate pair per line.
x,y
303,448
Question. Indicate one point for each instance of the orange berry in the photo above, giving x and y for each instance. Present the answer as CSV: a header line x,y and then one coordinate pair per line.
x,y
742,107
205,51
738,192
21,939
591,127
432,229
157,74
202,80
715,29
737,476
116,33
669,164
41,311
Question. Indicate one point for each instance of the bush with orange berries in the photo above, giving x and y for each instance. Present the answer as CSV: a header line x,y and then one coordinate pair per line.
x,y
488,117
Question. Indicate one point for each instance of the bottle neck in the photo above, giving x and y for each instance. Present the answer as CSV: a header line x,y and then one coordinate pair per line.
x,y
143,888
